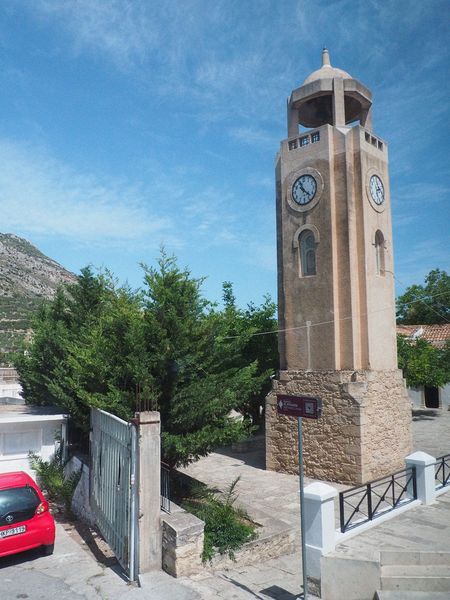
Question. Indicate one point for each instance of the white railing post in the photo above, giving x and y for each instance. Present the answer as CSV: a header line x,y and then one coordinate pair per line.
x,y
320,526
425,475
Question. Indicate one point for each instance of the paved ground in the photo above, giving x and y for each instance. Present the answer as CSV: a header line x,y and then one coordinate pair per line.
x,y
431,431
72,573
274,493
421,528
278,494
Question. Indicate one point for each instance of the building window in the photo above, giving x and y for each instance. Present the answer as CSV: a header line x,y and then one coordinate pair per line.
x,y
293,145
304,141
379,252
380,145
374,141
367,137
315,137
307,244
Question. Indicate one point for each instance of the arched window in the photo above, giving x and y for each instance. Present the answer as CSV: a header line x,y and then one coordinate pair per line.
x,y
307,244
379,252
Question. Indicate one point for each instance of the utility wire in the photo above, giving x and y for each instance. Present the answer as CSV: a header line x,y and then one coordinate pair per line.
x,y
229,337
423,300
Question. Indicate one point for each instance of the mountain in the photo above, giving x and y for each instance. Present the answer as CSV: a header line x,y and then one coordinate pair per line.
x,y
27,277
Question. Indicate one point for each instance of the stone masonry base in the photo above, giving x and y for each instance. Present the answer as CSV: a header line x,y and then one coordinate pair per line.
x,y
183,536
364,432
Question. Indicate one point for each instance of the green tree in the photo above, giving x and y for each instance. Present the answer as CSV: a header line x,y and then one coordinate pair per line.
x,y
422,363
87,350
97,343
249,337
429,303
197,381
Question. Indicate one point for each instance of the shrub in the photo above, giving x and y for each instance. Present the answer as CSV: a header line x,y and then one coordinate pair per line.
x,y
51,477
226,528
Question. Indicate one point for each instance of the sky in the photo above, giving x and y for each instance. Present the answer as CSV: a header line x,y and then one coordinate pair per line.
x,y
128,125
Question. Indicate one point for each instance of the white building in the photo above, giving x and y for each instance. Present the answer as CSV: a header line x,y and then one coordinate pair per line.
x,y
25,428
428,396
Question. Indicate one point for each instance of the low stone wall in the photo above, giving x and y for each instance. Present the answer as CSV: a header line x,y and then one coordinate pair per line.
x,y
182,542
269,544
183,536
364,433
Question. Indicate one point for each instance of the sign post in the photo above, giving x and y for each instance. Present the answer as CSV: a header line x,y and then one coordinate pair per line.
x,y
310,408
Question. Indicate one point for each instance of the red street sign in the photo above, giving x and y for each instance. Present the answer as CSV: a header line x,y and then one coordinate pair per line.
x,y
299,406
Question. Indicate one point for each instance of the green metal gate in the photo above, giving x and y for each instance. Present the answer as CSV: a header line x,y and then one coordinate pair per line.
x,y
113,489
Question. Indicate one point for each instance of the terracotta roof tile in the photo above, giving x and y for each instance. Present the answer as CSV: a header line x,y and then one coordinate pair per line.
x,y
435,334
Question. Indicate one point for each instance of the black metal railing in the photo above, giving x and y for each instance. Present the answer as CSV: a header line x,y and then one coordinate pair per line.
x,y
363,503
442,472
165,487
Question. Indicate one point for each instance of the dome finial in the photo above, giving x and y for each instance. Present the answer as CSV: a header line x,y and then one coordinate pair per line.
x,y
325,57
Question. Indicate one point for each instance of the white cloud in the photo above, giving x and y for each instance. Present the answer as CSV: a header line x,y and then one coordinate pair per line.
x,y
262,180
176,49
262,255
43,196
40,195
422,192
121,29
253,136
209,215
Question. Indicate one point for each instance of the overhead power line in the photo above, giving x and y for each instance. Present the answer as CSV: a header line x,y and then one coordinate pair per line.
x,y
287,329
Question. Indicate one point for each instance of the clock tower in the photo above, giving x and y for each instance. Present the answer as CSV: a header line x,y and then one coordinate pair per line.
x,y
336,307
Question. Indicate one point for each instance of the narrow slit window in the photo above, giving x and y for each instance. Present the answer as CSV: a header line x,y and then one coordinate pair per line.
x,y
307,245
379,252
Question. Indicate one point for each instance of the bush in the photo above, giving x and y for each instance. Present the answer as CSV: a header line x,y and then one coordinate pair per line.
x,y
226,528
51,478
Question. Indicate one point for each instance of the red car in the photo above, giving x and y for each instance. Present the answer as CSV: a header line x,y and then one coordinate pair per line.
x,y
25,520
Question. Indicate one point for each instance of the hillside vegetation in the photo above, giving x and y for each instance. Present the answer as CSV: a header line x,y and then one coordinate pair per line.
x,y
27,277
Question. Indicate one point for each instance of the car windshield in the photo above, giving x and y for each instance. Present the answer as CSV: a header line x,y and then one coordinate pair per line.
x,y
17,504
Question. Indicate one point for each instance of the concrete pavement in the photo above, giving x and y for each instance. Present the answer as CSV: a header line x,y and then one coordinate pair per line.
x,y
277,494
72,573
431,431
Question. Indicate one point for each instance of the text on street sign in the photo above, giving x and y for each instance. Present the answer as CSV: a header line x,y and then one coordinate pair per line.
x,y
299,406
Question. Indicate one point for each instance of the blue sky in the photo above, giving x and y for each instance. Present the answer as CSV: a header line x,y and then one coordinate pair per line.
x,y
125,125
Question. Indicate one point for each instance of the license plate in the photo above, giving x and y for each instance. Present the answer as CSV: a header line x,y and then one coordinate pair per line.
x,y
13,531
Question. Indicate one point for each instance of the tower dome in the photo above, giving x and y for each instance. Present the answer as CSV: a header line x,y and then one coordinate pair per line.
x,y
326,71
329,96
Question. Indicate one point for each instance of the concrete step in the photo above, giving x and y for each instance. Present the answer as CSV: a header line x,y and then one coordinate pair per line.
x,y
411,595
421,578
422,557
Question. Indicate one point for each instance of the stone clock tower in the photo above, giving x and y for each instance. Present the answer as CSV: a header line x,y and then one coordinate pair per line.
x,y
336,306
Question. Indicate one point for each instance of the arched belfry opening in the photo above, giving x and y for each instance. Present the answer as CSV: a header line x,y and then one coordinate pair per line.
x,y
329,96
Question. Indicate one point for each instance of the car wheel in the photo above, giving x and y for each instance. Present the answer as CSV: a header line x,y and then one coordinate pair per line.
x,y
48,550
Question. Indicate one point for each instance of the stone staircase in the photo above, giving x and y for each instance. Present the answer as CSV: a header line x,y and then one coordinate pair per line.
x,y
414,575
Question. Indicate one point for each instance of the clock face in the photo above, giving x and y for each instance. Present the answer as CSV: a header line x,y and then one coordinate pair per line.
x,y
376,189
304,189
